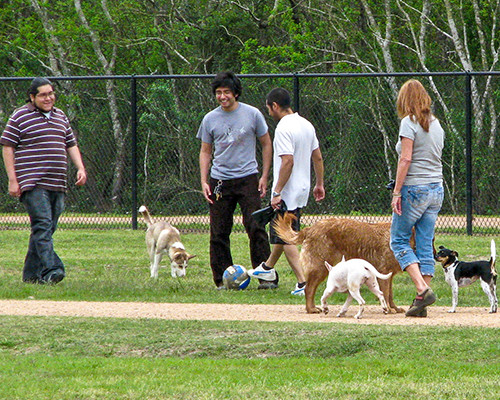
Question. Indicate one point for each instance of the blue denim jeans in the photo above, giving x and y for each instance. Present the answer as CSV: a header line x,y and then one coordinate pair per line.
x,y
44,208
420,205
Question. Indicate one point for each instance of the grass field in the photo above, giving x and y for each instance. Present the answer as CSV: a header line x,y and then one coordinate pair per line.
x,y
108,358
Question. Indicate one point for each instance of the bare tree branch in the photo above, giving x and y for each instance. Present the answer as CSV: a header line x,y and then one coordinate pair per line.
x,y
57,55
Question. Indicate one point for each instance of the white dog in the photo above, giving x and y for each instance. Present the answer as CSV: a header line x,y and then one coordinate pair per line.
x,y
347,277
162,237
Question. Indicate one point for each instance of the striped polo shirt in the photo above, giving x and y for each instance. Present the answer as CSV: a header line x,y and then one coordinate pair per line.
x,y
40,144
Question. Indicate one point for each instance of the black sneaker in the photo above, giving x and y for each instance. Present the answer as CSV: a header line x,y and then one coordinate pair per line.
x,y
268,285
421,301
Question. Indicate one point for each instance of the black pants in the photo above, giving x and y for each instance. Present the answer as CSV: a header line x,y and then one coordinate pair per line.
x,y
243,191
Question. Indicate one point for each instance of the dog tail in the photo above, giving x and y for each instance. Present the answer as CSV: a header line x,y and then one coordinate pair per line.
x,y
146,215
375,273
283,228
493,258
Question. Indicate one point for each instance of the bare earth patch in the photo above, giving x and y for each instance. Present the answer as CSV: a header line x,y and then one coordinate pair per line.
x,y
438,316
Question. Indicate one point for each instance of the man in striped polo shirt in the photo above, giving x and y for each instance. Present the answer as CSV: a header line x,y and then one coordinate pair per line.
x,y
36,142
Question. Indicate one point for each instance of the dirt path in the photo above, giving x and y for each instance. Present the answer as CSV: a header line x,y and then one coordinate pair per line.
x,y
438,316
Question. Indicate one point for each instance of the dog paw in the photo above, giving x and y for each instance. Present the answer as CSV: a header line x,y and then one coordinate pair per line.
x,y
451,311
358,316
314,310
325,310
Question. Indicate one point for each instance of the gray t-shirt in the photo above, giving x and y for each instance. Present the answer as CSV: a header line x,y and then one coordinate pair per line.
x,y
426,166
233,137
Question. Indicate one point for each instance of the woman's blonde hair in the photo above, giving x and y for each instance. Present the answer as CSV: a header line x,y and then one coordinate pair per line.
x,y
413,100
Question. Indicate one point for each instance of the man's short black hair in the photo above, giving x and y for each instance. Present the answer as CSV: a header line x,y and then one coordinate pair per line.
x,y
35,84
279,96
227,79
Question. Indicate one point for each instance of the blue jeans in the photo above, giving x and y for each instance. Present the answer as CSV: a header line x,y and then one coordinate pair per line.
x,y
44,208
420,205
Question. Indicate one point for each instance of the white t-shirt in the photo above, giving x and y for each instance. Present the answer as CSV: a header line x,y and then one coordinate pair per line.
x,y
294,136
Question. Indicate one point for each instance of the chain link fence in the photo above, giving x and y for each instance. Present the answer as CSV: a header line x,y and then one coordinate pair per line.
x,y
137,135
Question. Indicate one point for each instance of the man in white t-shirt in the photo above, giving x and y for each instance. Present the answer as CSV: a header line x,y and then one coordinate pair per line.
x,y
295,145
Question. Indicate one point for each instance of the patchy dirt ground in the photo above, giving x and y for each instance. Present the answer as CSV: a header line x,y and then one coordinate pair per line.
x,y
437,316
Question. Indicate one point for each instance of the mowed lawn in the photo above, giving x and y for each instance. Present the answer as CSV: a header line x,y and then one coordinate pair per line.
x,y
109,358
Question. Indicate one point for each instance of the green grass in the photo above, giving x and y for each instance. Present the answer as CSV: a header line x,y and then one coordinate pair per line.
x,y
154,359
106,358
112,265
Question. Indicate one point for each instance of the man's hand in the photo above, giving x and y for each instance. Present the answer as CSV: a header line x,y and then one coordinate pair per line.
x,y
275,202
205,187
14,189
81,177
262,186
319,193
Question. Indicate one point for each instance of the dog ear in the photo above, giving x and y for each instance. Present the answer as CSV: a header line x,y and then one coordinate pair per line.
x,y
454,253
328,266
190,256
441,247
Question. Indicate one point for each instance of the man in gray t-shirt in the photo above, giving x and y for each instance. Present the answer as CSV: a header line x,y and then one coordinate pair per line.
x,y
228,137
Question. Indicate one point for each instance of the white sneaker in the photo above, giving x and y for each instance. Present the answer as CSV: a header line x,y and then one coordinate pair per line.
x,y
299,291
261,273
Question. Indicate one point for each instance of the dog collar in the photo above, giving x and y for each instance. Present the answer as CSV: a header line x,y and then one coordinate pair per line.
x,y
451,266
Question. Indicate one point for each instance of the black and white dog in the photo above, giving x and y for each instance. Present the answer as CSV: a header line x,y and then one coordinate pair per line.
x,y
461,273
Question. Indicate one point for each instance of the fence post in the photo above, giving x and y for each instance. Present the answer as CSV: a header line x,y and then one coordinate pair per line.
x,y
468,150
133,113
296,93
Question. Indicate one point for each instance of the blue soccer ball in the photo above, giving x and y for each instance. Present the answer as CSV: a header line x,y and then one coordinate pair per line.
x,y
235,277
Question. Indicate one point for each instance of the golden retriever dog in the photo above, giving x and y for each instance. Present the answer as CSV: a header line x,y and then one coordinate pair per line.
x,y
331,239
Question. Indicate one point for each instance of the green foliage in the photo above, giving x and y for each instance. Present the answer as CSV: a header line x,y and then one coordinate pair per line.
x,y
188,36
255,36
165,139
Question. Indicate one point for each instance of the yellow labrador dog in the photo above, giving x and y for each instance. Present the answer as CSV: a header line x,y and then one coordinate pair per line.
x,y
332,238
161,237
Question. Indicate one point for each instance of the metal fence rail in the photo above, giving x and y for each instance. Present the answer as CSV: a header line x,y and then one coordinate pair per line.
x,y
137,137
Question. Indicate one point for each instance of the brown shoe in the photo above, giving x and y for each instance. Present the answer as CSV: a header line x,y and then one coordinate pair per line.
x,y
421,301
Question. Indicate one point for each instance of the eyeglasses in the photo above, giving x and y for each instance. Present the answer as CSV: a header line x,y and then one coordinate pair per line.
x,y
45,95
